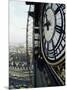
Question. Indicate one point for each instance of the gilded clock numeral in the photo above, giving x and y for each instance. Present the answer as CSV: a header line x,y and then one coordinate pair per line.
x,y
53,49
59,29
58,9
47,48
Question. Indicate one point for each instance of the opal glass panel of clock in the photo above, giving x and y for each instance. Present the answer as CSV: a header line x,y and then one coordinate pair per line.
x,y
53,31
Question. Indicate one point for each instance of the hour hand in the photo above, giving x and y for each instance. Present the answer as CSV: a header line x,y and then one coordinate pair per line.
x,y
47,24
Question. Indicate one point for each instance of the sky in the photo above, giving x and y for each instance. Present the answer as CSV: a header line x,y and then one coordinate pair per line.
x,y
17,22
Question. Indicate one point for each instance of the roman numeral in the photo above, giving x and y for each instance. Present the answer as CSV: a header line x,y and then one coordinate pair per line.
x,y
62,6
47,48
59,29
57,10
53,49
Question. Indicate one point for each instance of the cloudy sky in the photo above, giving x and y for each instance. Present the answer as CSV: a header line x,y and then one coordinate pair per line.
x,y
17,21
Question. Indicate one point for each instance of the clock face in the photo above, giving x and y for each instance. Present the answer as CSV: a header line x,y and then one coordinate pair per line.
x,y
53,32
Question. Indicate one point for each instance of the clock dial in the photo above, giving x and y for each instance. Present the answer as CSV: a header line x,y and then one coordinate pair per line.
x,y
53,32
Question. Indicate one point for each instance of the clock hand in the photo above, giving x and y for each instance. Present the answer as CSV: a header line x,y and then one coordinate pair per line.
x,y
47,23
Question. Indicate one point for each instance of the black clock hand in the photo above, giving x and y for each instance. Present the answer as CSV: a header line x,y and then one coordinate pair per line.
x,y
47,23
